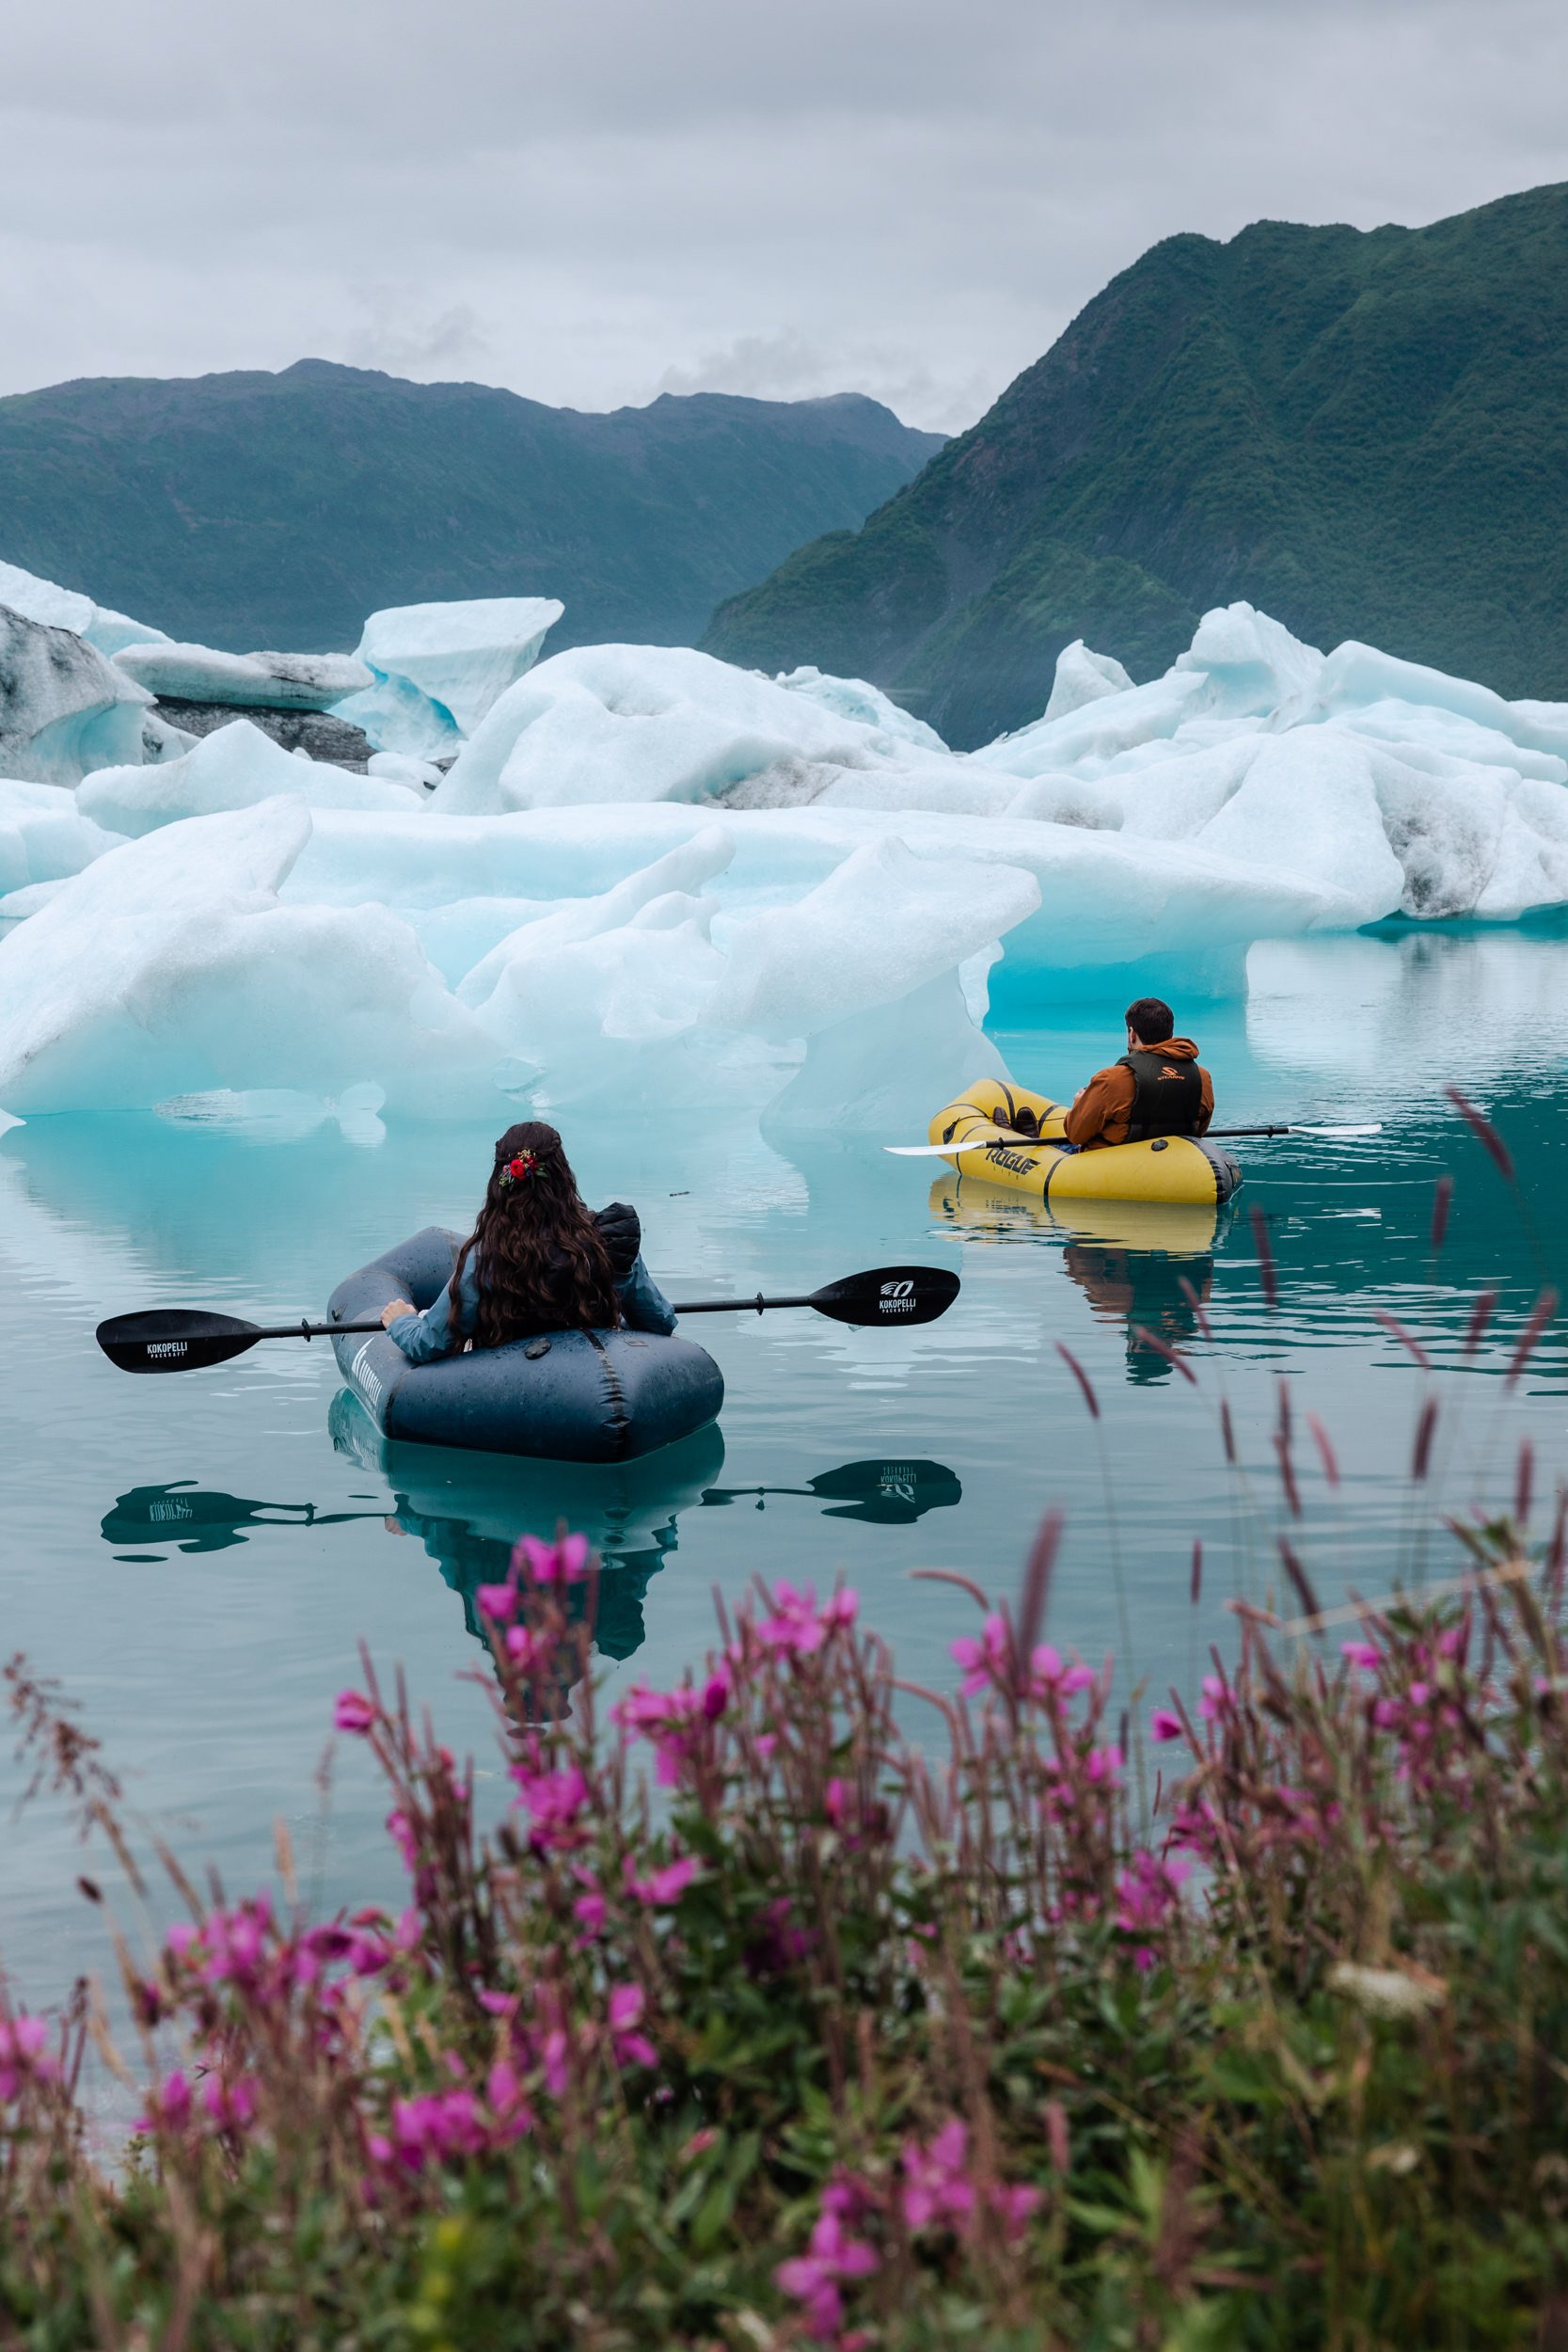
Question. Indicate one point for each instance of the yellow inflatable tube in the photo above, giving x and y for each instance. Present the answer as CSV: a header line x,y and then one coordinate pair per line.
x,y
1169,1168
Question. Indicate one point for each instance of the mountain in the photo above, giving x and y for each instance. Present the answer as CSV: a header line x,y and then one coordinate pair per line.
x,y
255,510
1364,433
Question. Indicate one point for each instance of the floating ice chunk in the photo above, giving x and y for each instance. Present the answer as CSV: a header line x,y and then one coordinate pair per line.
x,y
1083,676
1416,730
1251,664
1309,805
878,1071
642,722
43,836
235,767
668,881
1356,675
461,655
169,967
878,928
1100,730
855,698
64,709
246,681
64,608
396,718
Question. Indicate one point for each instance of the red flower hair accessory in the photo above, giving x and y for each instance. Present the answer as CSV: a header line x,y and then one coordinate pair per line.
x,y
519,1168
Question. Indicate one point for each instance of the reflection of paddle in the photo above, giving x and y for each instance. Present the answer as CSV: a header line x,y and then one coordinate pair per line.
x,y
181,1339
885,1493
1009,1139
197,1520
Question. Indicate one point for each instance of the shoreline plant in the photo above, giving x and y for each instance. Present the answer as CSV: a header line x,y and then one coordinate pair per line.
x,y
757,2024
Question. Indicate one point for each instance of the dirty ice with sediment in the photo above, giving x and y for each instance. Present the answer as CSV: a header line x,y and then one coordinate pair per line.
x,y
637,873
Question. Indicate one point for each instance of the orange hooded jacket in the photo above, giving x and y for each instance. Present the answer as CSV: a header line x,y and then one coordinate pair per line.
x,y
1102,1111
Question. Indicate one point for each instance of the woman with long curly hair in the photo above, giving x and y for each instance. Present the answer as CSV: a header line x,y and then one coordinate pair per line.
x,y
538,1260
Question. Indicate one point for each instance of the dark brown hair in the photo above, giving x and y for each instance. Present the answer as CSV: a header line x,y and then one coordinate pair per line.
x,y
542,1264
1151,1020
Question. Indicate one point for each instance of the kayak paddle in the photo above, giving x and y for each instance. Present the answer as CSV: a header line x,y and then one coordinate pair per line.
x,y
181,1339
1007,1138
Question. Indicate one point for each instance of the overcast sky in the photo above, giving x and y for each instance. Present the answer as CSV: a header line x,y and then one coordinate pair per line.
x,y
594,200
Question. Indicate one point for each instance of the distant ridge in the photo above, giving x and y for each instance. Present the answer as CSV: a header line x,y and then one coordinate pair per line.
x,y
253,510
1366,434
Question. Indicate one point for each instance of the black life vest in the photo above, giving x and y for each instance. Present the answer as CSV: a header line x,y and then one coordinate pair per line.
x,y
1167,1098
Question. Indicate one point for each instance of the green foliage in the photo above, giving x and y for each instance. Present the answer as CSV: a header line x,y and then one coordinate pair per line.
x,y
950,2028
1367,435
252,510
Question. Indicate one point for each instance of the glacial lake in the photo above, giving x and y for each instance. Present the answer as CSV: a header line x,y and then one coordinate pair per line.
x,y
196,1559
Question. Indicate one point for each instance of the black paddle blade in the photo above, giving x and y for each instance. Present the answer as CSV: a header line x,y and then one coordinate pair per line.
x,y
173,1339
891,1296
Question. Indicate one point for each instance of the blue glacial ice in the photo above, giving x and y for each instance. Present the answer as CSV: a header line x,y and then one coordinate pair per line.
x,y
435,670
649,876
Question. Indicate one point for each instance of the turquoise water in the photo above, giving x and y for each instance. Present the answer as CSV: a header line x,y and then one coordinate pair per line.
x,y
197,1558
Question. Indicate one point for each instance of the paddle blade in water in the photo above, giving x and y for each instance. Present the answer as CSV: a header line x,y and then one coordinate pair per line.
x,y
173,1339
890,1296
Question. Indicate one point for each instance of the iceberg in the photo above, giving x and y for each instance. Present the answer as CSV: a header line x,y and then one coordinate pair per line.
x,y
460,656
39,600
855,698
647,877
235,767
644,723
64,709
171,967
247,681
1083,676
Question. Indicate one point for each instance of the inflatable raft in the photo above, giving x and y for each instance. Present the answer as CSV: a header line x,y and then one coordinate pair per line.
x,y
573,1396
980,1129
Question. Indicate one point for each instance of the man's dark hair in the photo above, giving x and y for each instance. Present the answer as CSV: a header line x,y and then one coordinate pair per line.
x,y
1151,1020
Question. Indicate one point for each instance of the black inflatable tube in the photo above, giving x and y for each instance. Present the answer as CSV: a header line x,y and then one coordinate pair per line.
x,y
581,1396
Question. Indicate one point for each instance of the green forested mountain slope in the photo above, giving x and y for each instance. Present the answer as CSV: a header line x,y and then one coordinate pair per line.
x,y
1364,433
259,510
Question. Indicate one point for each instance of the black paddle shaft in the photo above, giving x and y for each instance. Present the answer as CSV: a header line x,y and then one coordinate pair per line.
x,y
883,1299
181,1339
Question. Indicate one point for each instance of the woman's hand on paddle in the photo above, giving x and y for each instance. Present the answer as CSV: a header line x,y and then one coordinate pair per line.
x,y
398,1306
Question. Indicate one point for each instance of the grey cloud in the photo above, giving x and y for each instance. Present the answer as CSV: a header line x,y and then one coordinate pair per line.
x,y
593,201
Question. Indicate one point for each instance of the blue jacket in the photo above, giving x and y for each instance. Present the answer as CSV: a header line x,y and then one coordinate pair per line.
x,y
439,1331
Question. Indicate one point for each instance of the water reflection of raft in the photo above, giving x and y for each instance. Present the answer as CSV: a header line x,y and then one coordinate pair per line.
x,y
573,1396
1171,1169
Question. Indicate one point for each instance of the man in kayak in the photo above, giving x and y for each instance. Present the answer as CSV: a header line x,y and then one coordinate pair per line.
x,y
1158,1087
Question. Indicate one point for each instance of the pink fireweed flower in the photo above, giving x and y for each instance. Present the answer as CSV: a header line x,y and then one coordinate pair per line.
x,y
984,1658
716,1697
1048,1672
553,1801
1215,1700
1015,2207
551,1563
354,1713
497,1601
833,2257
1361,1654
937,2189
799,1625
168,2107
232,2105
1163,1724
590,1907
631,2048
530,1651
665,1885
23,2054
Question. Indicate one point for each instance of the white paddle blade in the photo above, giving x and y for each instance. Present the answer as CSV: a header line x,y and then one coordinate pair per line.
x,y
927,1151
1334,1135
